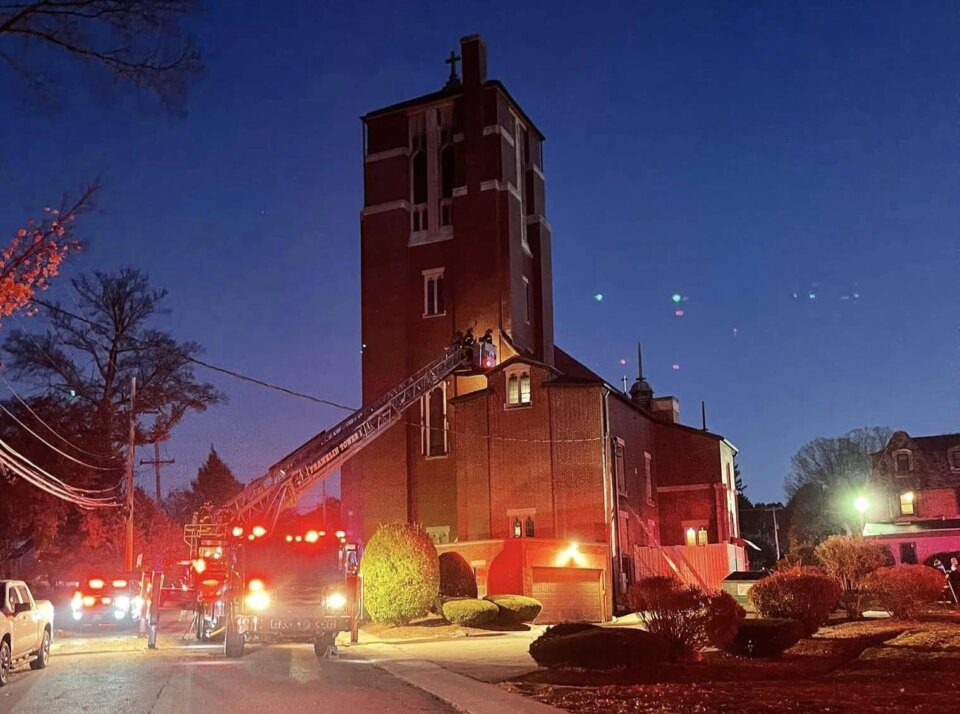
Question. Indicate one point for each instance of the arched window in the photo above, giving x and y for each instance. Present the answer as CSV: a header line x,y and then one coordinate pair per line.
x,y
903,460
518,389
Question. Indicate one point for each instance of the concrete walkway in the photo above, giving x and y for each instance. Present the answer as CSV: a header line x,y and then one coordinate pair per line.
x,y
461,671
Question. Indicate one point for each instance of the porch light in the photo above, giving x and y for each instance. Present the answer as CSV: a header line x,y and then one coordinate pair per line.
x,y
570,554
861,504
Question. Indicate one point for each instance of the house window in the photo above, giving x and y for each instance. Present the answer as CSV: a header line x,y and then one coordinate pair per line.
x,y
439,534
433,292
903,461
616,460
648,476
518,389
908,553
955,459
907,504
695,533
433,422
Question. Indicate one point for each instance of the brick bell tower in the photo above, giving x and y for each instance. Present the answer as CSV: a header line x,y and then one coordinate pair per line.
x,y
453,235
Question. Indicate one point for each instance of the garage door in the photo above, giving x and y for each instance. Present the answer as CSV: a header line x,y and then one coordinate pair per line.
x,y
567,594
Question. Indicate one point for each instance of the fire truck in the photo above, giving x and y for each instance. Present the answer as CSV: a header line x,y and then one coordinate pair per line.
x,y
253,581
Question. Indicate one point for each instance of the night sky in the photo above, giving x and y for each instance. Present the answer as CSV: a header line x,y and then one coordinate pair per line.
x,y
790,170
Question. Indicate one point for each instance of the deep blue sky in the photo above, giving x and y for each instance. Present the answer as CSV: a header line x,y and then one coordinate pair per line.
x,y
735,155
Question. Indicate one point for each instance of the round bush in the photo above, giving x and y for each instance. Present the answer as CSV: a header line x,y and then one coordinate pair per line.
x,y
804,594
516,609
906,590
685,617
765,638
401,574
456,576
469,612
595,647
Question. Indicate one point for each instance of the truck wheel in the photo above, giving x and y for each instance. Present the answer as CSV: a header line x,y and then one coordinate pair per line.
x,y
322,645
234,642
201,623
43,654
6,662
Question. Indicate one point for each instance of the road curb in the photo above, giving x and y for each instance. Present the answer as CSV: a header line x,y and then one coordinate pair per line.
x,y
459,691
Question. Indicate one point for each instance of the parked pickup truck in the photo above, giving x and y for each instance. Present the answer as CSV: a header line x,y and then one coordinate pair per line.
x,y
26,628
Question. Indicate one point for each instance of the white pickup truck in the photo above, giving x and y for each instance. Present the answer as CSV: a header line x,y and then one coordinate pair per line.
x,y
26,628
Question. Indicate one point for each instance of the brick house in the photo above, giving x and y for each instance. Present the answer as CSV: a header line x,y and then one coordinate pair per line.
x,y
547,479
914,496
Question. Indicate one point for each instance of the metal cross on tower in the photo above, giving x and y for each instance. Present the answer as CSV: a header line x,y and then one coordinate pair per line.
x,y
453,80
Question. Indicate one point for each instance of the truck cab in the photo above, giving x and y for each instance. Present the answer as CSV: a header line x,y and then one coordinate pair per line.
x,y
26,628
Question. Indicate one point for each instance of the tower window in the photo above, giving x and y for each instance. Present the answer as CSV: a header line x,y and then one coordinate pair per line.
x,y
433,422
527,300
433,292
648,476
518,389
619,477
418,173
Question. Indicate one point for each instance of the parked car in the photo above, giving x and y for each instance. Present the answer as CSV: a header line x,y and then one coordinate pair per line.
x,y
26,628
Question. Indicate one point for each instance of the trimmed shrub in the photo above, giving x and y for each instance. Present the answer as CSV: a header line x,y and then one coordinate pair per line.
x,y
469,612
765,638
905,590
563,629
850,559
805,594
516,609
456,576
593,647
685,617
401,574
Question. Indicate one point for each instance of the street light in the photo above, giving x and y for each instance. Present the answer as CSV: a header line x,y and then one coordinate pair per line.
x,y
862,505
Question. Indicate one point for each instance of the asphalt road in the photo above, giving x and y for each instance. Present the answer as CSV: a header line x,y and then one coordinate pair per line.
x,y
108,672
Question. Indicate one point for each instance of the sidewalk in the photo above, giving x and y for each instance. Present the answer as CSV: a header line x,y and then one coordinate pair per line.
x,y
461,671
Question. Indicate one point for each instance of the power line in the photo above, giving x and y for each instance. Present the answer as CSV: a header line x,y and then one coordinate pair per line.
x,y
47,443
189,358
36,476
50,428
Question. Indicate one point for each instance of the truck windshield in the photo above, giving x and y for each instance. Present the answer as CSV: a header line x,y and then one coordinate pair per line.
x,y
282,563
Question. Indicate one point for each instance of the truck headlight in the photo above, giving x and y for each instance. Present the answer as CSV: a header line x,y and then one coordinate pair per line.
x,y
257,600
336,601
121,602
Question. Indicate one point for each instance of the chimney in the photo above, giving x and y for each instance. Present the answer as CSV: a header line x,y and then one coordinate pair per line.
x,y
473,50
666,409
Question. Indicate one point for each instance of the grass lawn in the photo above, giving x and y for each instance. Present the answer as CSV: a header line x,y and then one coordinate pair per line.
x,y
428,629
870,666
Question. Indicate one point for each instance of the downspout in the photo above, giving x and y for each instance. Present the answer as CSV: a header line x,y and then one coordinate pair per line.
x,y
609,496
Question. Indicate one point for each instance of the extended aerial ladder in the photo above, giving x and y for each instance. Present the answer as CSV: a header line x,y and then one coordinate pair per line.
x,y
286,481
289,479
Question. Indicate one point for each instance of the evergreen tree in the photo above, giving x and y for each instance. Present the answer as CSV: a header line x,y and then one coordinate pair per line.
x,y
215,481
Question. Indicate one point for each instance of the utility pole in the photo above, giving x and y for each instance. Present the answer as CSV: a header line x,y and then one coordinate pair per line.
x,y
157,462
128,550
776,531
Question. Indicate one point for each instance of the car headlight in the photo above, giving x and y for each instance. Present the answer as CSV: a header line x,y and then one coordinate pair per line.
x,y
121,602
336,601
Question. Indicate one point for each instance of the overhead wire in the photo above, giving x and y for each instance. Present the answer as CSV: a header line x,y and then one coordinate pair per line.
x,y
36,476
202,363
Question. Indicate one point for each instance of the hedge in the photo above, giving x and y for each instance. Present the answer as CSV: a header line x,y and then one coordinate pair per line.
x,y
469,612
401,574
765,638
804,594
456,576
593,647
516,609
906,590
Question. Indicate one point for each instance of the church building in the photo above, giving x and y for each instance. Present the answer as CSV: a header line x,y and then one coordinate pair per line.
x,y
547,479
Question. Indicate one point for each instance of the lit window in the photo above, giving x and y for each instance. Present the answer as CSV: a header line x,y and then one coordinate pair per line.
x,y
433,422
433,292
695,533
439,534
691,536
518,389
702,536
907,503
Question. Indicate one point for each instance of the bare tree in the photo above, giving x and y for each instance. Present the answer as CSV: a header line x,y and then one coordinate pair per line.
x,y
838,462
89,358
137,41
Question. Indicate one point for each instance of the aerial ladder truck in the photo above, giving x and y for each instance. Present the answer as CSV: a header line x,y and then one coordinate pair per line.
x,y
252,581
